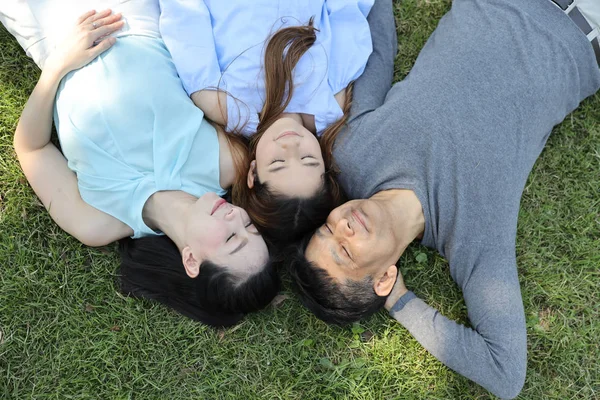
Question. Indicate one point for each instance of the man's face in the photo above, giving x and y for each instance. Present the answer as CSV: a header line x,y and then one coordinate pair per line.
x,y
356,241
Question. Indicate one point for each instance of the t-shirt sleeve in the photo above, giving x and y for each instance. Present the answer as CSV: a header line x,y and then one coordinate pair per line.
x,y
371,87
186,28
492,352
20,21
350,41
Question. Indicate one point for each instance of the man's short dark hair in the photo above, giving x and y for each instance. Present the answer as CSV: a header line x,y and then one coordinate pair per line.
x,y
331,301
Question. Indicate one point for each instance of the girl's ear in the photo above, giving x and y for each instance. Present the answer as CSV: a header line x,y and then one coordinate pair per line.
x,y
251,174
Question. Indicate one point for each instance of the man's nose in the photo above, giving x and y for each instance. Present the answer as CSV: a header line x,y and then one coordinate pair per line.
x,y
343,228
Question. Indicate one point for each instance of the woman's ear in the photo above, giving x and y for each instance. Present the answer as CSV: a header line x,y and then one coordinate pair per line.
x,y
190,262
384,285
251,174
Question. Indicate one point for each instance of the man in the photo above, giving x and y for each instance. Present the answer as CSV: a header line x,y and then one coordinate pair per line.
x,y
445,160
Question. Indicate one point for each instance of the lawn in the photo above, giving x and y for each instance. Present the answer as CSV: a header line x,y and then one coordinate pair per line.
x,y
65,331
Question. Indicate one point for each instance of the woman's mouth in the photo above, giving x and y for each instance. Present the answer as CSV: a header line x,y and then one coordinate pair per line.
x,y
287,133
217,205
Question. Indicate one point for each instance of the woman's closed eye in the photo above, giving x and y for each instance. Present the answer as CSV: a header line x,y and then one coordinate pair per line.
x,y
274,161
248,225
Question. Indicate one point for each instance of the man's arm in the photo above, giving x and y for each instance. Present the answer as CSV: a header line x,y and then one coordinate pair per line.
x,y
372,86
494,352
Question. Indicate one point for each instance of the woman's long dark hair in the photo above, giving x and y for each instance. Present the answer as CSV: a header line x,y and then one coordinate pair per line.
x,y
280,218
151,268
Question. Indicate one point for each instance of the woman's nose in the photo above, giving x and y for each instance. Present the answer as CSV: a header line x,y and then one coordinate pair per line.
x,y
231,214
290,143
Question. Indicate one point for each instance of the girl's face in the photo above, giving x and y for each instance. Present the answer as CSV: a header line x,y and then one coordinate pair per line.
x,y
289,159
222,233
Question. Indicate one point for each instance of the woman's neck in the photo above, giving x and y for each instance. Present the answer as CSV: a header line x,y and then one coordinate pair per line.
x,y
167,211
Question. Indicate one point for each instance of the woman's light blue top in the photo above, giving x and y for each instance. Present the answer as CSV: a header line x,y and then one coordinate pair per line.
x,y
128,130
216,43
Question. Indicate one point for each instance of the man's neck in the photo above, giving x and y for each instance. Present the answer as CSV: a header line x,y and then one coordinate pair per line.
x,y
168,211
406,212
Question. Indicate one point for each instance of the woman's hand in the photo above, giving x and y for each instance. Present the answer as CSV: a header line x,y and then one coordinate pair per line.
x,y
86,42
398,291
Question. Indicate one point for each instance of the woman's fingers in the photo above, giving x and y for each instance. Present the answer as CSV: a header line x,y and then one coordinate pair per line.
x,y
102,47
85,16
106,30
94,17
105,21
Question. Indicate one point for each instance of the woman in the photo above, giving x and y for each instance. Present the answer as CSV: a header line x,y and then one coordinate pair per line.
x,y
140,160
290,92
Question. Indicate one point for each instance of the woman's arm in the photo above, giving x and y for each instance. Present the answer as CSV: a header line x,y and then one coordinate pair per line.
x,y
213,103
348,24
44,166
186,28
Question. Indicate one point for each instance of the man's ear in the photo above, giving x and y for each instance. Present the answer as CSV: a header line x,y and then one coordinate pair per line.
x,y
384,285
190,262
251,174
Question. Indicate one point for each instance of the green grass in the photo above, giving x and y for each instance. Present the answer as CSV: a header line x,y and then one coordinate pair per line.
x,y
66,333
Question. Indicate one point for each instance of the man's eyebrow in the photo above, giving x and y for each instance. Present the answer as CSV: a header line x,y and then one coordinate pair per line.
x,y
240,246
335,256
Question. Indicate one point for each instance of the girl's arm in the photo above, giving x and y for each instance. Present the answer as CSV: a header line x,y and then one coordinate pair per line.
x,y
44,166
349,24
186,28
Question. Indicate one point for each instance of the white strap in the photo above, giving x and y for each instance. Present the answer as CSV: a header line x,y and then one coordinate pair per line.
x,y
571,7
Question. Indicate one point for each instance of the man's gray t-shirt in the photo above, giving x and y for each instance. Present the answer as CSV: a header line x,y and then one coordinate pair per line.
x,y
463,131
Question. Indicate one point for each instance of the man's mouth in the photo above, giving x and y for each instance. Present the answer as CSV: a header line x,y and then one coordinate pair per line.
x,y
360,218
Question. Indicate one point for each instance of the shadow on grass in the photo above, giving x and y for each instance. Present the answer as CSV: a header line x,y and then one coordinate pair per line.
x,y
18,73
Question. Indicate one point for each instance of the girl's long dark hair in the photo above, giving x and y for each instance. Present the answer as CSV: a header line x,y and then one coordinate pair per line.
x,y
280,218
151,268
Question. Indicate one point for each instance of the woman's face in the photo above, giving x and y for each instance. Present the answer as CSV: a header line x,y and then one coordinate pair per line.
x,y
289,159
223,234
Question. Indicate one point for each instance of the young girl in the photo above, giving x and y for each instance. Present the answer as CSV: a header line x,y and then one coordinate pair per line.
x,y
280,73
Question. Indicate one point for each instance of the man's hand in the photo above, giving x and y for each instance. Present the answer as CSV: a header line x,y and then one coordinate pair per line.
x,y
398,291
